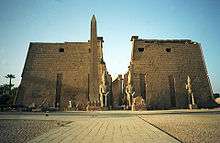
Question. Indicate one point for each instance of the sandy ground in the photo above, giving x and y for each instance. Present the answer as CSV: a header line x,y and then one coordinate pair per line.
x,y
187,126
191,128
21,131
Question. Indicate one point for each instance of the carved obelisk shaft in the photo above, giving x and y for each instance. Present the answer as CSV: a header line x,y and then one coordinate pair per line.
x,y
94,87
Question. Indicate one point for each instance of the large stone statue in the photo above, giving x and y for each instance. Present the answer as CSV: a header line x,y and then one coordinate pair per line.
x,y
129,89
138,104
191,100
103,90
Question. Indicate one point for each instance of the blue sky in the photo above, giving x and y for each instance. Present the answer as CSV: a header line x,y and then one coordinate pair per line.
x,y
23,21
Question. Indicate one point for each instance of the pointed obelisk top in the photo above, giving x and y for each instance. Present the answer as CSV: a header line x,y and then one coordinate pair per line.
x,y
93,29
93,18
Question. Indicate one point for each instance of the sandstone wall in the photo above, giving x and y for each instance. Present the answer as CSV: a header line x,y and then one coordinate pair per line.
x,y
117,93
44,62
165,66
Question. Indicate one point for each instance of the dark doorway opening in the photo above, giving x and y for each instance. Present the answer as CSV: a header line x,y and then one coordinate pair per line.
x,y
172,91
58,90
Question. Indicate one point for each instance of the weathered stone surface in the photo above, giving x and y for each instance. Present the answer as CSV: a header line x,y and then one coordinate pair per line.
x,y
117,91
57,74
68,75
199,125
188,128
160,69
21,131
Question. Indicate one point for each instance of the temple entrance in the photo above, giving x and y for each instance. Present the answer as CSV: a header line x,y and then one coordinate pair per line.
x,y
172,91
58,90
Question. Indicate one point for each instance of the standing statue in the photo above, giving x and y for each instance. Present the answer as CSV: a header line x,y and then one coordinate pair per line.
x,y
103,90
191,99
129,89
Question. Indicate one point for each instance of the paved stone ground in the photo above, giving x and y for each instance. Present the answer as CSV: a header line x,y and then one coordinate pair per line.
x,y
98,127
191,128
106,129
126,126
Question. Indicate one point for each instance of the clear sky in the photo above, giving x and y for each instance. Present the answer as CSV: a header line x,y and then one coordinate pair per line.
x,y
23,21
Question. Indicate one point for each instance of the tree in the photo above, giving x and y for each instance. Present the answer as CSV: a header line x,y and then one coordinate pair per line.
x,y
6,98
4,89
10,76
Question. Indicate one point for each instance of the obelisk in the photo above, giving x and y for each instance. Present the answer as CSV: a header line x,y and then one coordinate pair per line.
x,y
93,78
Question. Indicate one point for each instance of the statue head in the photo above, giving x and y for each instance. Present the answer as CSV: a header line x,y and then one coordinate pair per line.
x,y
129,77
104,77
188,80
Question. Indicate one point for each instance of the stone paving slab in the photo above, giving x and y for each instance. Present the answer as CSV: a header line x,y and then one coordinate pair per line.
x,y
106,126
105,130
188,128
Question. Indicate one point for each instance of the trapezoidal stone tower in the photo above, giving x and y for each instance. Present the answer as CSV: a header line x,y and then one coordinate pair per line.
x,y
160,69
63,75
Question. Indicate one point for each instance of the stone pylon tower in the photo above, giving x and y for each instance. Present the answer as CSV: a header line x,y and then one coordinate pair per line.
x,y
93,77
